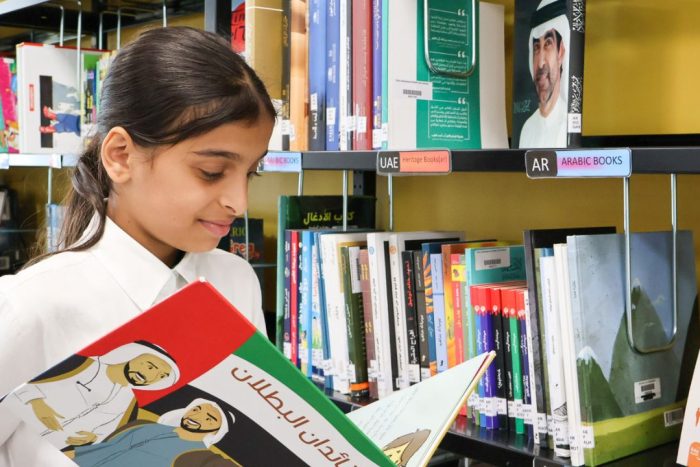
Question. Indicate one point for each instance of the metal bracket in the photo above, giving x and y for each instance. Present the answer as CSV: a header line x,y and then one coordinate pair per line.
x,y
628,270
426,38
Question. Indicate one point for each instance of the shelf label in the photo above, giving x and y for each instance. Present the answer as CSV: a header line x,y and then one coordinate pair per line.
x,y
579,163
281,162
419,162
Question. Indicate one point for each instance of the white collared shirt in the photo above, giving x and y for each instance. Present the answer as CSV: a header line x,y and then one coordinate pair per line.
x,y
546,132
62,304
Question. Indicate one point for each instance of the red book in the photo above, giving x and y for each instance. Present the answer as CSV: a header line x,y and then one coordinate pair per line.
x,y
294,295
362,73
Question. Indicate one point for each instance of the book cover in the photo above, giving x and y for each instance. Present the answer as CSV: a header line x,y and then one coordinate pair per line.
x,y
377,51
631,401
362,79
263,42
436,98
424,333
346,122
548,73
332,75
408,277
304,212
148,393
299,77
369,326
49,106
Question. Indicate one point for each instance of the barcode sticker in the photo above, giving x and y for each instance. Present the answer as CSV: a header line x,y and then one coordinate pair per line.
x,y
493,258
647,390
422,90
313,102
588,439
330,116
673,417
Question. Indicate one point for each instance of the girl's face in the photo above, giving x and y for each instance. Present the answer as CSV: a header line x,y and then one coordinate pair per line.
x,y
185,197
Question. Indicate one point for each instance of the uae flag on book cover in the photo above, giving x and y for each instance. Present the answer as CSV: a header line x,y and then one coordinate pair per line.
x,y
189,382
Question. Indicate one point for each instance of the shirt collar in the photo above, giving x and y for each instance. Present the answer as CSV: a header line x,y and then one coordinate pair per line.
x,y
138,272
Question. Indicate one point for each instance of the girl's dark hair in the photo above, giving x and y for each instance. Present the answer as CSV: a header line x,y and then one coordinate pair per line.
x,y
168,85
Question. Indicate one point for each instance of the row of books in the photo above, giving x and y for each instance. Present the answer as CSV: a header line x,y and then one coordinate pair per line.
x,y
371,74
352,74
565,372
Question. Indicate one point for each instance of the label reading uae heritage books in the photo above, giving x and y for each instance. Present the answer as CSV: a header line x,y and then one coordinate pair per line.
x,y
647,390
492,259
432,162
281,162
579,163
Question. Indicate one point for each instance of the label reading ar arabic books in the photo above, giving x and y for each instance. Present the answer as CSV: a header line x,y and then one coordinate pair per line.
x,y
281,162
647,390
578,163
427,162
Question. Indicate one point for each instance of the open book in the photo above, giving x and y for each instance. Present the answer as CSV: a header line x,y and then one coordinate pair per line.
x,y
191,382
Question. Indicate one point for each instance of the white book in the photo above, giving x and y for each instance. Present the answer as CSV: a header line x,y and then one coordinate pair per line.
x,y
429,109
345,75
538,422
335,305
408,373
380,294
561,261
555,370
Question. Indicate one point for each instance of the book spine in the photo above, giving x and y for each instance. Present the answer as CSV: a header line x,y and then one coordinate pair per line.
x,y
317,75
457,275
316,312
326,361
362,73
439,311
447,298
409,299
396,286
490,395
299,81
377,73
385,74
429,312
395,375
514,311
286,72
538,382
423,352
294,296
508,356
287,305
305,303
346,122
495,313
332,75
577,19
529,410
380,318
354,317
369,327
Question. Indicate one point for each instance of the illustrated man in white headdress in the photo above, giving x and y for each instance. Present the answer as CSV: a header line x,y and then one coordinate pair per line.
x,y
548,45
86,403
180,438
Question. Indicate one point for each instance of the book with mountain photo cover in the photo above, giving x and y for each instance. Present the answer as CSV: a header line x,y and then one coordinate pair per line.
x,y
631,399
166,389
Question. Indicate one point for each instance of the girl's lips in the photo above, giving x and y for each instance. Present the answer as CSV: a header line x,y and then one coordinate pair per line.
x,y
219,230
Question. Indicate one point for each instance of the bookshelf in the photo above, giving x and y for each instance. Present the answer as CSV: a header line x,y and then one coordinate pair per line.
x,y
507,449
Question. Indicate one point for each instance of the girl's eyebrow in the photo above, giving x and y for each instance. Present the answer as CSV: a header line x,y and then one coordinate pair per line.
x,y
218,153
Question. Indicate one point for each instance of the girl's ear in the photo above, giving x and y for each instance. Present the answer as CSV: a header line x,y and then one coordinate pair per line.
x,y
117,155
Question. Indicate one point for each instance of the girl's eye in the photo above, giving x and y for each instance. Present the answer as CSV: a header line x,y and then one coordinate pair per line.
x,y
211,176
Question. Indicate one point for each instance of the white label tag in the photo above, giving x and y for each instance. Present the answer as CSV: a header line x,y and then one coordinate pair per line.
x,y
647,390
502,406
292,132
588,439
422,90
511,409
349,124
354,257
473,400
284,127
377,138
361,124
330,116
313,102
495,258
4,161
372,369
413,373
385,132
350,373
55,161
550,426
327,366
673,417
574,123
287,350
316,357
424,373
519,409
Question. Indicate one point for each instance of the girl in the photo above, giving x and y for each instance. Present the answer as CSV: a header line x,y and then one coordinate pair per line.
x,y
183,124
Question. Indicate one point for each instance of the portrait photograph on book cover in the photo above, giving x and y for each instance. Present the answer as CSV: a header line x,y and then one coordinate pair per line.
x,y
548,60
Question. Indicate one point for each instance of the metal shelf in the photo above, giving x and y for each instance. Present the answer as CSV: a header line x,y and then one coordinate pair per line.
x,y
37,160
656,160
502,448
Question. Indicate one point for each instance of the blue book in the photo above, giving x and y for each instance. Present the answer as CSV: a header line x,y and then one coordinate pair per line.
x,y
385,67
328,379
332,74
439,311
317,75
305,303
428,249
